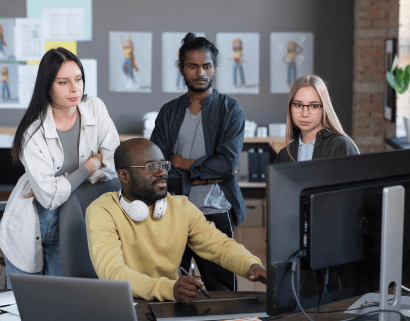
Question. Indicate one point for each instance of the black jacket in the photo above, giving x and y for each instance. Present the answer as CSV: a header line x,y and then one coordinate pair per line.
x,y
327,145
223,122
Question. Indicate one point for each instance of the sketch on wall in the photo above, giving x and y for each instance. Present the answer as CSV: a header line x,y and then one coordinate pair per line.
x,y
238,65
7,50
172,80
9,84
291,58
130,61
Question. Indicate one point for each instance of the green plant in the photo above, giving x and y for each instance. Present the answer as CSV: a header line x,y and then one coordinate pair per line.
x,y
401,81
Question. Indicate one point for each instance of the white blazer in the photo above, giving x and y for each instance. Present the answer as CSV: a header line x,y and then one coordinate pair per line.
x,y
42,157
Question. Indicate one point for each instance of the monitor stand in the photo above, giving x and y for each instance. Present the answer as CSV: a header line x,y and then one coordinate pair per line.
x,y
391,259
391,251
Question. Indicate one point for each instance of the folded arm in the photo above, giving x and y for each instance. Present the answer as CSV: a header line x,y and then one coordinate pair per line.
x,y
49,190
223,164
107,140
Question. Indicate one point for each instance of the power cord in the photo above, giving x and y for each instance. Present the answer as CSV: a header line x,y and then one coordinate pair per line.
x,y
404,288
325,283
293,269
375,312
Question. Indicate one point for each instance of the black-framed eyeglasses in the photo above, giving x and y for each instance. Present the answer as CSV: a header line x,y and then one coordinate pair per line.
x,y
152,168
312,108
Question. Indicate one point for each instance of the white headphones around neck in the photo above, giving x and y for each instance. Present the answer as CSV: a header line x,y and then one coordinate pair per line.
x,y
138,210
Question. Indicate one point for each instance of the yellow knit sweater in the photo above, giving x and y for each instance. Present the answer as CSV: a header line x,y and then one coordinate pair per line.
x,y
148,253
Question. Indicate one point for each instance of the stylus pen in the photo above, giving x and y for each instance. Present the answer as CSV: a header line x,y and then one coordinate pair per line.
x,y
186,273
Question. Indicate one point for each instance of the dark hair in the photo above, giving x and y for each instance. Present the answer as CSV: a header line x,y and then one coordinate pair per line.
x,y
191,43
50,64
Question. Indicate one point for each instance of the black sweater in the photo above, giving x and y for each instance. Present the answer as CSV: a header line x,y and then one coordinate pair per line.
x,y
327,145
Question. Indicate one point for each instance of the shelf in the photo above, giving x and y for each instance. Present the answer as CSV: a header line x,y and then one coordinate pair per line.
x,y
265,140
123,138
252,184
277,143
9,130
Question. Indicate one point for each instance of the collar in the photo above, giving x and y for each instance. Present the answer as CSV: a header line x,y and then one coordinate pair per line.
x,y
121,195
87,119
325,132
204,101
302,143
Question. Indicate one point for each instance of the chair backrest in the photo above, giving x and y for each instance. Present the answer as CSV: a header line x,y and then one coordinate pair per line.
x,y
75,258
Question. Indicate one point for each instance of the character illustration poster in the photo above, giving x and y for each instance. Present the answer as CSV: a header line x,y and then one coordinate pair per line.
x,y
238,63
291,56
7,26
172,80
130,61
9,84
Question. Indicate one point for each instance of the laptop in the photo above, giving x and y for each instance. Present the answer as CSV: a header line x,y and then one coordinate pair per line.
x,y
43,298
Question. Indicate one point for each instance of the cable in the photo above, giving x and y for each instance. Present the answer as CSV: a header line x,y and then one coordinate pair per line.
x,y
374,312
293,269
404,288
325,283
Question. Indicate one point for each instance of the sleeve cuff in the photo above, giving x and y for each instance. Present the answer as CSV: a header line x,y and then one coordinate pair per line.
x,y
249,262
77,177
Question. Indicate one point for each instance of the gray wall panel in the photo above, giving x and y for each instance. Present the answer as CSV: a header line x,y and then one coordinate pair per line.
x,y
331,21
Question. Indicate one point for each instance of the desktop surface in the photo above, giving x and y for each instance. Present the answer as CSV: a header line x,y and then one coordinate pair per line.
x,y
142,308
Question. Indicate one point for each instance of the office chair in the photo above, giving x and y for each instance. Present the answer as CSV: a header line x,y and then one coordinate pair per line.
x,y
75,258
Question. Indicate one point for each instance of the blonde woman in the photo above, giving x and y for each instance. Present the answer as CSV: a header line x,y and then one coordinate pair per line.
x,y
312,126
237,57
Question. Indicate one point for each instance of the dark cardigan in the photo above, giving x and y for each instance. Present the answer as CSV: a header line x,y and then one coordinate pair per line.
x,y
327,145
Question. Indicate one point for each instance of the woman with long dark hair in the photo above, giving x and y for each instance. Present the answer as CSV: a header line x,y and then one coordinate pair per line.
x,y
64,139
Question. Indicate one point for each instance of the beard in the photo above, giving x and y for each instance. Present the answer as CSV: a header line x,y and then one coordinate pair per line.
x,y
199,90
147,194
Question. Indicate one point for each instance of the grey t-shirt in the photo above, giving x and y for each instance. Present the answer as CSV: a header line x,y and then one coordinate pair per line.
x,y
70,140
190,144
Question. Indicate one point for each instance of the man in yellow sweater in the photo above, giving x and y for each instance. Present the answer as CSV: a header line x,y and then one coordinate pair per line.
x,y
146,250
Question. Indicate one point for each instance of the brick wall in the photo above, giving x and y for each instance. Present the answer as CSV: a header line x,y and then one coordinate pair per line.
x,y
375,20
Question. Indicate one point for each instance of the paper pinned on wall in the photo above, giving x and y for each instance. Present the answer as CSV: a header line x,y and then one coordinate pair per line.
x,y
130,61
10,85
90,71
7,39
64,24
69,45
29,39
21,81
75,15
172,79
238,65
28,76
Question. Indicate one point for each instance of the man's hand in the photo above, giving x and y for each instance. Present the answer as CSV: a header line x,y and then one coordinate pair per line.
x,y
181,163
186,288
256,273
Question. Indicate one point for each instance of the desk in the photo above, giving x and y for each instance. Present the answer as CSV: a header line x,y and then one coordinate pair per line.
x,y
398,142
143,306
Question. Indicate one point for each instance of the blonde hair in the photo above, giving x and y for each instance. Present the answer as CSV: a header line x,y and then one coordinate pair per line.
x,y
237,41
329,117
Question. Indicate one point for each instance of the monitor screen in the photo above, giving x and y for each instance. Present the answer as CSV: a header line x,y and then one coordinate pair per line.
x,y
10,171
329,211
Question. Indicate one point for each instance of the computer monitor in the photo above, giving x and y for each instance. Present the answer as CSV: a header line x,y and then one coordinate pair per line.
x,y
329,211
10,172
